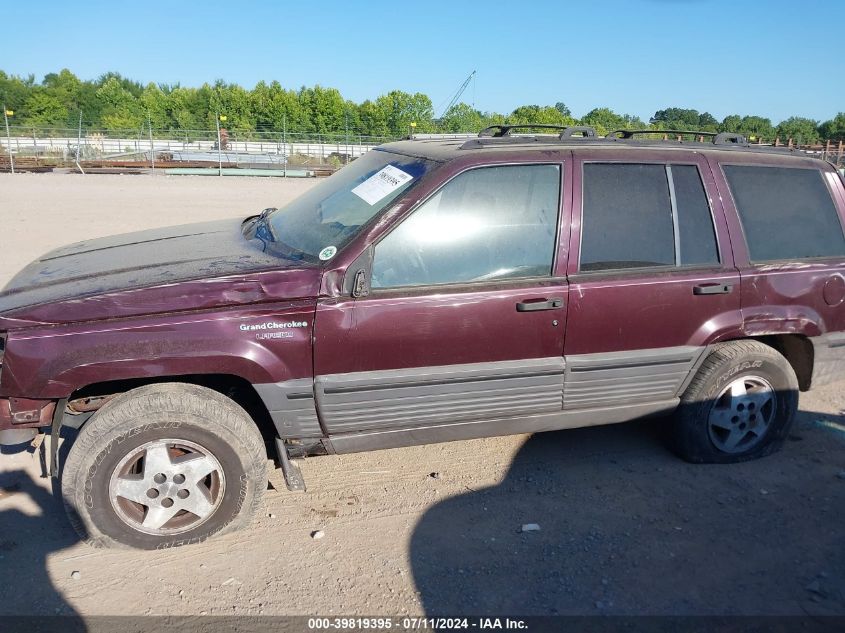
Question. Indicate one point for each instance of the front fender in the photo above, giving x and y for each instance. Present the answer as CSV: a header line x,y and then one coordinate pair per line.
x,y
263,344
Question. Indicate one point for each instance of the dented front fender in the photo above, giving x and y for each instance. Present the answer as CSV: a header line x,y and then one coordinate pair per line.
x,y
54,361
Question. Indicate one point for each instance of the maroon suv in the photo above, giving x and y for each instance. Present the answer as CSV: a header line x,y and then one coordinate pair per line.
x,y
432,290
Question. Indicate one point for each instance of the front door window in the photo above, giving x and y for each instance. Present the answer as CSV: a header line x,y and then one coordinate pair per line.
x,y
486,224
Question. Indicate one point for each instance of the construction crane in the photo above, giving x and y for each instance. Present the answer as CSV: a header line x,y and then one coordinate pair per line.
x,y
457,95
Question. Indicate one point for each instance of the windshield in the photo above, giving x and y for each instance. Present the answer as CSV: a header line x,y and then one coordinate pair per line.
x,y
329,215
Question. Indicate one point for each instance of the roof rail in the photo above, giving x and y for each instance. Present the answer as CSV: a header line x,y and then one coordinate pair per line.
x,y
626,134
566,131
446,136
586,131
501,134
718,138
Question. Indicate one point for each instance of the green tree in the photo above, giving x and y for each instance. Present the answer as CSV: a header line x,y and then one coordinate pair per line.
x,y
399,109
539,114
187,109
233,102
834,129
351,118
275,108
74,95
492,118
132,87
373,119
43,109
121,110
757,128
120,103
561,107
707,122
730,123
633,122
156,107
462,118
323,109
14,91
799,129
677,119
604,120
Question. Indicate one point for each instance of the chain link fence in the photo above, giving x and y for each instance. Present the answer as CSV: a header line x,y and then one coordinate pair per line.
x,y
44,148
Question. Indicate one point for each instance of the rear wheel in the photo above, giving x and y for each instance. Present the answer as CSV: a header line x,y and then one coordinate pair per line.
x,y
739,406
164,465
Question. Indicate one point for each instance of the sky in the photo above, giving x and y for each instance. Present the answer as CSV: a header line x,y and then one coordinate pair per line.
x,y
769,58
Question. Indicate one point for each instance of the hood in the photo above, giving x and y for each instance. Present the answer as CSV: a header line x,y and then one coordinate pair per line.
x,y
187,267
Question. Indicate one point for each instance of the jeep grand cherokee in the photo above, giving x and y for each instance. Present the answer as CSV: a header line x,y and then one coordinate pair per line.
x,y
433,290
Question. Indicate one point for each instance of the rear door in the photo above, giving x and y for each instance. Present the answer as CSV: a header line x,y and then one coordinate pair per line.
x,y
652,278
789,244
464,320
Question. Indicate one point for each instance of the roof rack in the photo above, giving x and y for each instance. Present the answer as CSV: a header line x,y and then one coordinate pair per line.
x,y
585,131
501,134
627,134
718,138
729,138
566,131
447,136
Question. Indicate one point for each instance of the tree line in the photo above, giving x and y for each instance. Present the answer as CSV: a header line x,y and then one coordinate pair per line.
x,y
115,103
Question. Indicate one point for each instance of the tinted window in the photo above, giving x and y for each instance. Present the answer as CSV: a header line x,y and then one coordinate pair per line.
x,y
627,218
786,213
695,223
486,224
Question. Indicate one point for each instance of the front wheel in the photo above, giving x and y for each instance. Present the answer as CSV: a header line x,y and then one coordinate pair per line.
x,y
739,406
164,465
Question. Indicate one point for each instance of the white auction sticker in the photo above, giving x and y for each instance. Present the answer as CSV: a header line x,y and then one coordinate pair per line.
x,y
381,184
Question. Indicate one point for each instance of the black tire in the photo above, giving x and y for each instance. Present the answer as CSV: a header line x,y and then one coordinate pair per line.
x,y
696,439
154,416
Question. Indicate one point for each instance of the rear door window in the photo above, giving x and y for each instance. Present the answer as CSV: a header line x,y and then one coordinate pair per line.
x,y
786,213
645,215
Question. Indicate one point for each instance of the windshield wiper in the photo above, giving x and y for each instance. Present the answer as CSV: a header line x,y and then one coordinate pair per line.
x,y
260,216
263,223
265,233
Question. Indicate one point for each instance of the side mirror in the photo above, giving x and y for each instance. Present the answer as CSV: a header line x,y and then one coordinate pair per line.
x,y
360,288
356,282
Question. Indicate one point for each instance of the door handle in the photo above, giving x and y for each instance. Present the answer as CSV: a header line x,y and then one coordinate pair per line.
x,y
543,304
713,289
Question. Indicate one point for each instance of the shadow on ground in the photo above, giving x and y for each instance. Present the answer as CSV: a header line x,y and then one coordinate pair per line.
x,y
628,528
30,531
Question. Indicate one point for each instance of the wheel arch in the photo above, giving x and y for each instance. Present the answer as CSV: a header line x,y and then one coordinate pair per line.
x,y
86,400
796,348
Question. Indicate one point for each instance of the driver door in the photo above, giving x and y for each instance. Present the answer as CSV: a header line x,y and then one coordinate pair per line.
x,y
465,317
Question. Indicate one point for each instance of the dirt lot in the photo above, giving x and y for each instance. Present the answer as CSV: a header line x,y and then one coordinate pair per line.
x,y
626,528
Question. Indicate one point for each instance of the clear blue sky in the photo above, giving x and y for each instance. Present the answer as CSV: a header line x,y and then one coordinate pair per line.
x,y
775,58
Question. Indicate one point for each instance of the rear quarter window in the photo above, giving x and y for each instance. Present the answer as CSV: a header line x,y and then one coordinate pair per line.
x,y
786,213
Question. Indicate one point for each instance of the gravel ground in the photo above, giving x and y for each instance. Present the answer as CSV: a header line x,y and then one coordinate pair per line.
x,y
624,526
